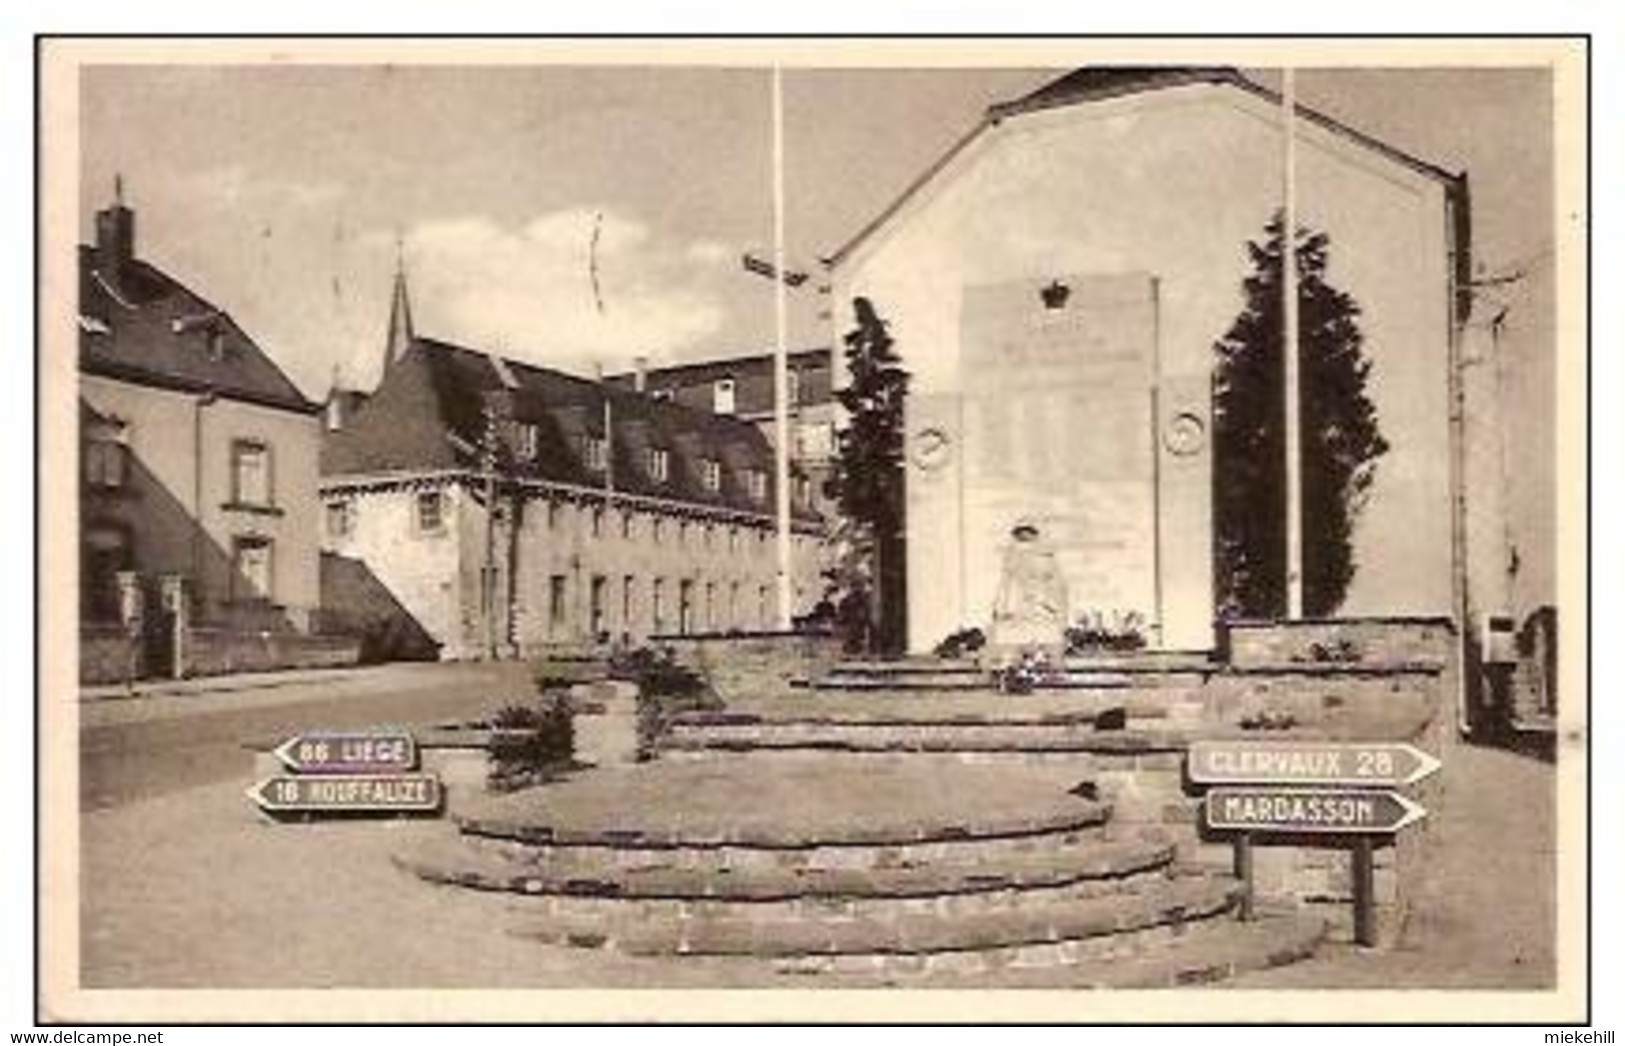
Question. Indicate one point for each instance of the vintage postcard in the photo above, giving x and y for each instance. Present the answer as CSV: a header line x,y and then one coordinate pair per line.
x,y
841,530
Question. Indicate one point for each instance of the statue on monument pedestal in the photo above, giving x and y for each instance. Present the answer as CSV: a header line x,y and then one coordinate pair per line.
x,y
1030,610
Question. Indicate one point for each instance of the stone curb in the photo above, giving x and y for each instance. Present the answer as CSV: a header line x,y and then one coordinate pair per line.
x,y
454,863
1052,923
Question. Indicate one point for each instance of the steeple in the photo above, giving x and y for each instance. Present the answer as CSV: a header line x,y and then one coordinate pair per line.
x,y
400,314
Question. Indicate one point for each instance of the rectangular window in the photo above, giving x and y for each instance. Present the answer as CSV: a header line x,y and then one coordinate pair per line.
x,y
793,392
685,606
552,515
758,485
251,564
597,453
733,604
659,464
431,516
657,605
711,606
250,473
626,524
762,618
557,604
682,534
597,522
711,474
598,604
339,518
628,601
657,529
722,396
106,453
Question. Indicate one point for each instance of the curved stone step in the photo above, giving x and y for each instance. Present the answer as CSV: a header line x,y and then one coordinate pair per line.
x,y
1038,933
794,809
938,738
574,887
1208,952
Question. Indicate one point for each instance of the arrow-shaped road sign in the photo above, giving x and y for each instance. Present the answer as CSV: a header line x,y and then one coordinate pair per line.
x,y
1373,764
342,793
1343,810
336,752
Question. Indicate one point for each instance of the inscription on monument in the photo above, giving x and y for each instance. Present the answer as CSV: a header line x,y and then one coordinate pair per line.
x,y
1058,430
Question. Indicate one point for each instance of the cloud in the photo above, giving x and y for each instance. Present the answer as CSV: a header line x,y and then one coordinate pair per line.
x,y
563,288
233,185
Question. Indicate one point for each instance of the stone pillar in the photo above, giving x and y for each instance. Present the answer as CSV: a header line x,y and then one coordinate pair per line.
x,y
606,722
132,612
175,599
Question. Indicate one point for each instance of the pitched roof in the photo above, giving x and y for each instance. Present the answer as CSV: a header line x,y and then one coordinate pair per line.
x,y
1099,83
428,413
148,328
705,371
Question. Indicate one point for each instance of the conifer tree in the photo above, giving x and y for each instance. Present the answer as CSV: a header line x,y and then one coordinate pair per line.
x,y
1341,440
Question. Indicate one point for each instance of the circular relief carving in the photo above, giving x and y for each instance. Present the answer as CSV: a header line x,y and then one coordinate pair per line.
x,y
932,449
1184,434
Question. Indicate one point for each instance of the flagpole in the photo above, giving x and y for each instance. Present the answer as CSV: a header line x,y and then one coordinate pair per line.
x,y
781,362
1289,301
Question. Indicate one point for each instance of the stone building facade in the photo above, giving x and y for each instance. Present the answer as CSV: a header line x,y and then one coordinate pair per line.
x,y
742,387
512,508
198,476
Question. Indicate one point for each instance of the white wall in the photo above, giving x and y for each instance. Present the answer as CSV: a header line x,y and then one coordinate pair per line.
x,y
165,427
1174,183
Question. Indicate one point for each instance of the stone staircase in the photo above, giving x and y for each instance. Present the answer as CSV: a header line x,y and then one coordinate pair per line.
x,y
864,866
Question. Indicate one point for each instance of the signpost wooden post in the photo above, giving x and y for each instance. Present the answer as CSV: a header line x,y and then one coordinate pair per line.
x,y
1315,788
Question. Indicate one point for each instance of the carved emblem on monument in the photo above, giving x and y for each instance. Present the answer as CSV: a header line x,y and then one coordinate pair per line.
x,y
1184,434
932,449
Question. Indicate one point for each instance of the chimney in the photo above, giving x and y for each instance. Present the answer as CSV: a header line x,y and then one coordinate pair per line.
x,y
115,237
640,373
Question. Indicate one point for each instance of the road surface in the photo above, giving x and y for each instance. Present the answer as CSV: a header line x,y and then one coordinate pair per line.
x,y
150,746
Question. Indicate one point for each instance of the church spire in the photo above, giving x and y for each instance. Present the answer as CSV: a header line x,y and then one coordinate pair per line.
x,y
400,313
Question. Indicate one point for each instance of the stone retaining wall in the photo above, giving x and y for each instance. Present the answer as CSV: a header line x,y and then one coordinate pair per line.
x,y
217,651
1368,641
755,664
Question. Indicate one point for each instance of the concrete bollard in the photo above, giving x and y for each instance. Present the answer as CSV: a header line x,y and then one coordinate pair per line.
x,y
606,722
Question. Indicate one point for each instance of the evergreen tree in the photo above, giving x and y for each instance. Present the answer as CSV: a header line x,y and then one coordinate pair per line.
x,y
1341,441
867,478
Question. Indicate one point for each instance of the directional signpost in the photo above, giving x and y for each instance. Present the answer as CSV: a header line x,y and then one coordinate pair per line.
x,y
1348,810
1379,764
1316,788
348,753
347,772
346,793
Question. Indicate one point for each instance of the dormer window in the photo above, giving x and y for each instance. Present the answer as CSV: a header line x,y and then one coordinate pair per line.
x,y
597,453
711,474
659,464
526,441
217,344
722,396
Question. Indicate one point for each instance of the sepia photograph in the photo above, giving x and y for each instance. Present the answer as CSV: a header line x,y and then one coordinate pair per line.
x,y
834,530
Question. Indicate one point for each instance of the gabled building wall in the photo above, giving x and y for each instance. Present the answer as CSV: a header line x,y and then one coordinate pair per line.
x,y
1174,183
185,521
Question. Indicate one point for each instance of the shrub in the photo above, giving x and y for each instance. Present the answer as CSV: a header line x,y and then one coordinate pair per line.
x,y
529,744
1097,633
666,688
958,644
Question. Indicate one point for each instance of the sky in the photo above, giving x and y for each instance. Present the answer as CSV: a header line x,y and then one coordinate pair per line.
x,y
580,216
